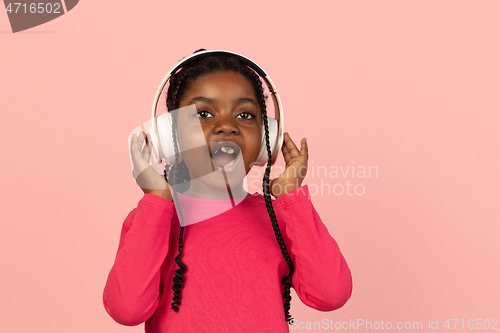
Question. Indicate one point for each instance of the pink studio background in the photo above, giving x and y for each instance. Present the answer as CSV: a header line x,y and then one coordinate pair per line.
x,y
411,87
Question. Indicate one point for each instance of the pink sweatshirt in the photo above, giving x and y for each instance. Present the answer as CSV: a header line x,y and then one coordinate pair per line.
x,y
234,267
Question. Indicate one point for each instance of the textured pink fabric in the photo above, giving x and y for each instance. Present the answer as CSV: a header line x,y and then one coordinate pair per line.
x,y
234,267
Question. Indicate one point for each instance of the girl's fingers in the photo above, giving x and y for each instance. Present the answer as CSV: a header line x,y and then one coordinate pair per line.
x,y
286,153
146,150
136,149
292,148
304,150
148,145
140,140
133,146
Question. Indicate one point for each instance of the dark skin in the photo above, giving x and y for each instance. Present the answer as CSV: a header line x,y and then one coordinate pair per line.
x,y
228,110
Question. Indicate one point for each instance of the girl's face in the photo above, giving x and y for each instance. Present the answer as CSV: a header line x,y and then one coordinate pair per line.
x,y
228,110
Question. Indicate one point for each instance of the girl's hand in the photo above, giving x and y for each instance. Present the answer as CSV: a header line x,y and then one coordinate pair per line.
x,y
296,167
148,179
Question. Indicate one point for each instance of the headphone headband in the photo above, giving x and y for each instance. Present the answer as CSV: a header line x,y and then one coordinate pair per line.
x,y
251,64
201,54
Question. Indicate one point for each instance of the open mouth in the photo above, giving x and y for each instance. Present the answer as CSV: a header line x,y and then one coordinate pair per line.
x,y
224,153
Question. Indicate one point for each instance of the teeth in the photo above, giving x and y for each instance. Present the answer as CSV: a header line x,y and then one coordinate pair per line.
x,y
227,150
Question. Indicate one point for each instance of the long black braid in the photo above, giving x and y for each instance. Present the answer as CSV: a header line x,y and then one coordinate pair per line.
x,y
179,84
286,281
179,273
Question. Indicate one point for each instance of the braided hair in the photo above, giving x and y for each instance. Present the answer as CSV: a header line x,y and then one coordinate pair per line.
x,y
179,84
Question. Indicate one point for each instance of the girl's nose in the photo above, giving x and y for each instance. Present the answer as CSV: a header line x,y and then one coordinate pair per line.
x,y
225,125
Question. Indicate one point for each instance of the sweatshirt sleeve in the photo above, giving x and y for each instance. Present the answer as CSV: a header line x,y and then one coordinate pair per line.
x,y
322,278
132,290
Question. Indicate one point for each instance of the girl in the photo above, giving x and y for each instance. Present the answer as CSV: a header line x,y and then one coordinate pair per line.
x,y
234,271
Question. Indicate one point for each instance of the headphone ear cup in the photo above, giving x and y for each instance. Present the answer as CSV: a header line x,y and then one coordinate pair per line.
x,y
163,146
273,141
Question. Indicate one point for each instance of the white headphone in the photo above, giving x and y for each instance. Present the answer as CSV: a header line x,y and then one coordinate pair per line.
x,y
161,129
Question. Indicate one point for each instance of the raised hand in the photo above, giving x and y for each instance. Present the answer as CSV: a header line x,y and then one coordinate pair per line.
x,y
148,179
296,167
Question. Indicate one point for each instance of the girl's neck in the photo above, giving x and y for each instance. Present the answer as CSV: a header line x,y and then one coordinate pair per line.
x,y
198,189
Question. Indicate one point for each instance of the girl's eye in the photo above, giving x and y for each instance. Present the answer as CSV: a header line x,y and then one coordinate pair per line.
x,y
246,115
204,114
